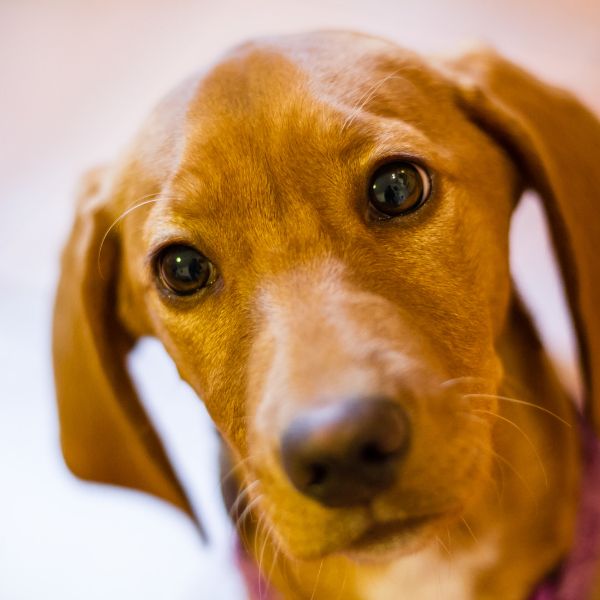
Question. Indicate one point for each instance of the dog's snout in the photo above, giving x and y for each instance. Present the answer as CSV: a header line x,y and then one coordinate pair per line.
x,y
346,453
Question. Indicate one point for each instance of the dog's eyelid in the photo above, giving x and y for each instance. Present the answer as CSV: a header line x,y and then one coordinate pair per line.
x,y
157,245
416,158
427,165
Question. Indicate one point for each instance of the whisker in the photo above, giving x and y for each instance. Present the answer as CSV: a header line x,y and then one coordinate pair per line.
x,y
277,552
366,97
290,571
262,523
241,463
521,402
244,523
499,485
469,530
242,496
515,471
261,558
501,418
457,380
439,540
487,449
343,581
312,596
247,510
449,541
501,460
152,200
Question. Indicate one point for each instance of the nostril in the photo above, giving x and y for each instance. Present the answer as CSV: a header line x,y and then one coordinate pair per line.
x,y
318,473
372,453
345,453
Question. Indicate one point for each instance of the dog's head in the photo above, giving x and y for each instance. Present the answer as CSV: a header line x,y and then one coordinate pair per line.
x,y
317,231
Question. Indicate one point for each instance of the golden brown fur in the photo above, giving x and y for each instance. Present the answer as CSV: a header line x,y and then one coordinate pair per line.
x,y
262,164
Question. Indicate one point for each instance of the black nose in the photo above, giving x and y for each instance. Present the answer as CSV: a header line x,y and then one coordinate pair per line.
x,y
346,453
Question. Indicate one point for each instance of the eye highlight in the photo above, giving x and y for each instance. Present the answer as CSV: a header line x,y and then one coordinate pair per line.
x,y
184,270
398,188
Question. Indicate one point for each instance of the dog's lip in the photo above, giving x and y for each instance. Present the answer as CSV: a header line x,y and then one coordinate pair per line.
x,y
387,530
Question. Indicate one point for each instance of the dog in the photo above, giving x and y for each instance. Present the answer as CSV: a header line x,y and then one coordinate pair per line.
x,y
316,229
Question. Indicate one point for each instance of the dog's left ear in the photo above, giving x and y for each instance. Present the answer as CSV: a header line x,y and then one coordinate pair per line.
x,y
106,435
555,142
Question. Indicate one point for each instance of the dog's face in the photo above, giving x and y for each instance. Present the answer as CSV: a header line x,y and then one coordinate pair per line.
x,y
317,231
281,282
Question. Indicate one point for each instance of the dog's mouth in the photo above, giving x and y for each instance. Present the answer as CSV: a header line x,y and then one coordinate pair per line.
x,y
401,536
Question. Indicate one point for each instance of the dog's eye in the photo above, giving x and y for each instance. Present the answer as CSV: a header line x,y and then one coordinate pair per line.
x,y
184,270
398,188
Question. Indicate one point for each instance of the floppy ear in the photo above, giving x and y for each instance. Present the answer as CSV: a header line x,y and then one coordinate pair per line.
x,y
106,435
555,141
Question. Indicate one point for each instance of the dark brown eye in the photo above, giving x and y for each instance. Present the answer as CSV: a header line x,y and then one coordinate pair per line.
x,y
183,270
398,188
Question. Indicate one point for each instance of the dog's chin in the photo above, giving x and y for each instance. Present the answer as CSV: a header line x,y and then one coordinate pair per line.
x,y
386,541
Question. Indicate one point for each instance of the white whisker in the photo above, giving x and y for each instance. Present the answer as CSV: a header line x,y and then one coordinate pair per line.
x,y
312,596
235,468
521,402
535,451
116,222
457,380
368,95
469,530
443,546
247,511
242,495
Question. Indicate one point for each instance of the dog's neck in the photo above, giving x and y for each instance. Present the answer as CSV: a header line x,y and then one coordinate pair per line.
x,y
513,536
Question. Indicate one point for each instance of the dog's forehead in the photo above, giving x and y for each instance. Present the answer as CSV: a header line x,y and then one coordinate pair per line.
x,y
335,65
275,122
265,83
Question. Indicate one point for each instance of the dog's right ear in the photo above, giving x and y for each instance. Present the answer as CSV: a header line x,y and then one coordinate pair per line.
x,y
554,141
106,435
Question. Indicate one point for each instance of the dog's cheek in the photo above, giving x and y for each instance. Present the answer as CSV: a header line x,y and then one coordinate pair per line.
x,y
449,464
210,354
489,197
132,292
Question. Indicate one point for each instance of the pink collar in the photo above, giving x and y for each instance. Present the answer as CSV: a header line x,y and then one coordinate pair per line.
x,y
572,580
256,584
575,577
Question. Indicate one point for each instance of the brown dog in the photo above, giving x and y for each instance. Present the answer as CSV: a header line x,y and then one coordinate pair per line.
x,y
317,231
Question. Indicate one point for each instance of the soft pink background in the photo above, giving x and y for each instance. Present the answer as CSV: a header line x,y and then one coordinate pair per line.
x,y
76,78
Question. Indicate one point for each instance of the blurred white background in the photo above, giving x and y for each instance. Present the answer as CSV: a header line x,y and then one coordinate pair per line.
x,y
76,79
